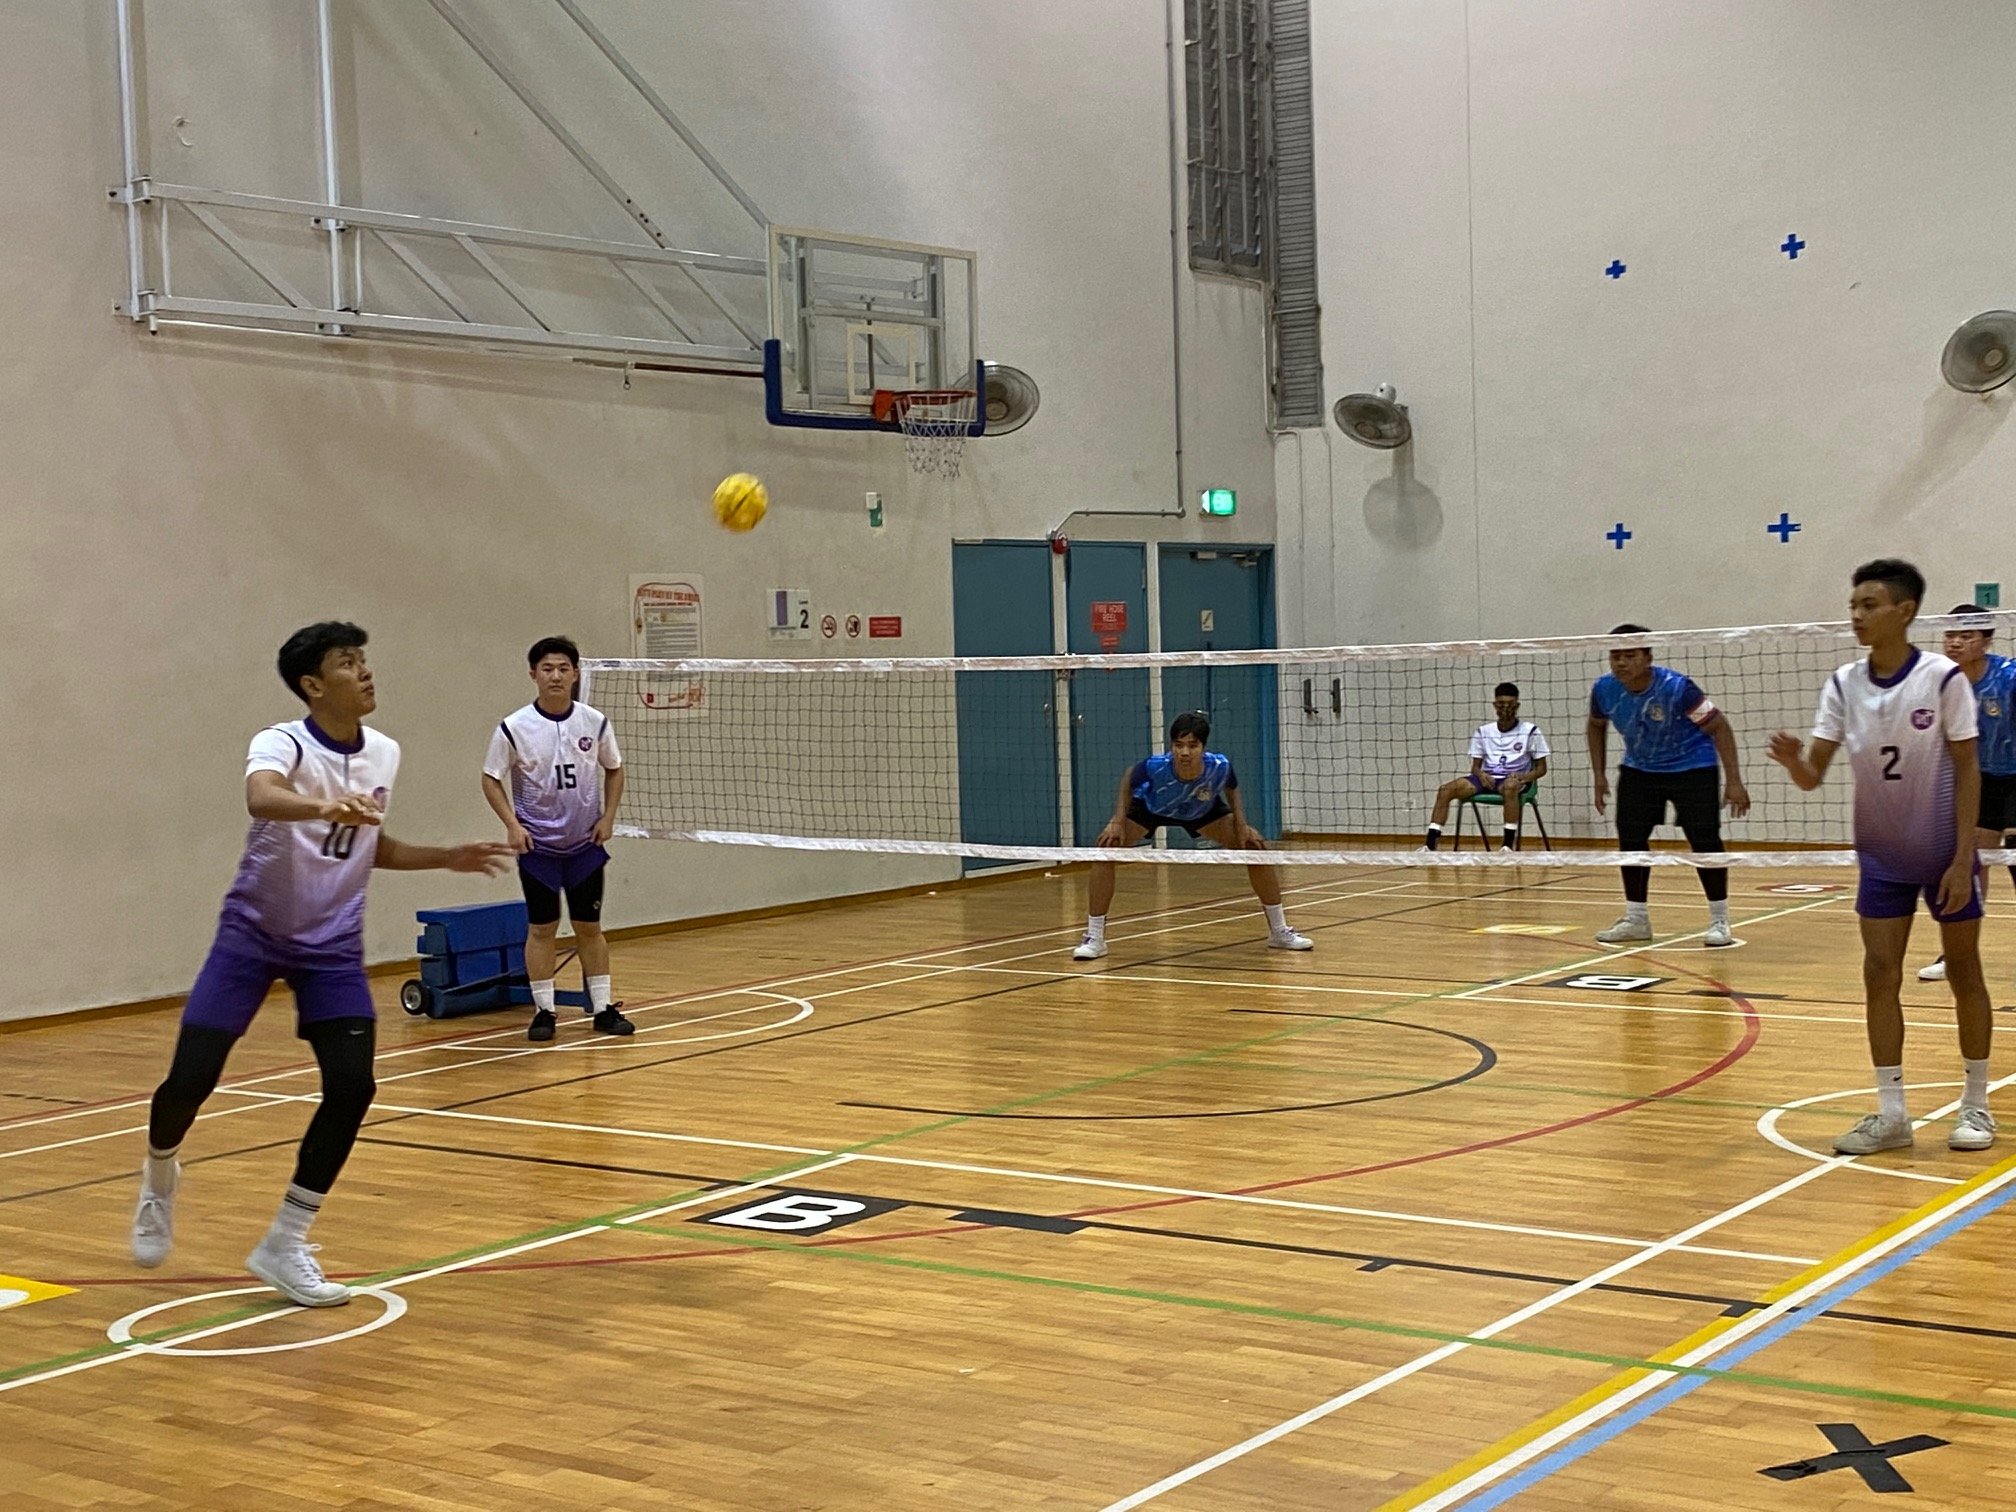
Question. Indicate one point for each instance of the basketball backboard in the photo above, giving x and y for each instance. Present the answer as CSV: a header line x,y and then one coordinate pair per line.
x,y
850,315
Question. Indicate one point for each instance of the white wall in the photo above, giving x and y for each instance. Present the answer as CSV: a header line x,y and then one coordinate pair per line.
x,y
178,504
1482,161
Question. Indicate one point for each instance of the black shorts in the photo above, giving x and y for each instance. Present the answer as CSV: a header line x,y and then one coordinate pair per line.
x,y
584,899
1696,797
1138,812
1998,803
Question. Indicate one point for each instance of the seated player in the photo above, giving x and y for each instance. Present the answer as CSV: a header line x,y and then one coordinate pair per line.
x,y
1994,681
1197,791
1507,757
1908,720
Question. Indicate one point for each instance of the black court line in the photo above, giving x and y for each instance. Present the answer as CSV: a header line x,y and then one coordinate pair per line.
x,y
1363,1260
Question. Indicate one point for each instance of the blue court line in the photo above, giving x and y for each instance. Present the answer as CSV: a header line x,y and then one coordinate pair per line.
x,y
1531,1475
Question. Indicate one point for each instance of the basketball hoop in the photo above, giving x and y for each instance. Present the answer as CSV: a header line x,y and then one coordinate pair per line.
x,y
934,422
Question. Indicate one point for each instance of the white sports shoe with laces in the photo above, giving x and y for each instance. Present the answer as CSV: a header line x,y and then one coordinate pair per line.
x,y
1876,1133
1288,939
1091,948
153,1224
289,1267
1625,930
1718,934
1974,1129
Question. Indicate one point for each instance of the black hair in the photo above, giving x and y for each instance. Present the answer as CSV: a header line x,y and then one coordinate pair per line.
x,y
1987,630
1505,690
551,645
1902,579
1196,722
1629,630
302,655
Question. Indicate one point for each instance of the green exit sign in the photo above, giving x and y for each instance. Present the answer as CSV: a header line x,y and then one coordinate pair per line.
x,y
1220,501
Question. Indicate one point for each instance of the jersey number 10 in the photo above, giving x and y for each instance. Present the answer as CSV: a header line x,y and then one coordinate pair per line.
x,y
337,843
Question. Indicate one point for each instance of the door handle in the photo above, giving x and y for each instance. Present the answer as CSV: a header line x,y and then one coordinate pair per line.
x,y
1077,721
1337,696
1309,696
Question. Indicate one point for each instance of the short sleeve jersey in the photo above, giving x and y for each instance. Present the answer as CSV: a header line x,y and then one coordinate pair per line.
x,y
1995,706
553,765
1156,787
1895,731
1662,726
300,883
1507,753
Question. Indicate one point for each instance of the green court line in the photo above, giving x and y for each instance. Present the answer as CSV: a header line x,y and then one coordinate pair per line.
x,y
1339,1321
1294,1031
1594,1094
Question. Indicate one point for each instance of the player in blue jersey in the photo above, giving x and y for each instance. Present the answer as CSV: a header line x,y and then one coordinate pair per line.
x,y
1674,739
1197,791
1908,720
1993,679
317,789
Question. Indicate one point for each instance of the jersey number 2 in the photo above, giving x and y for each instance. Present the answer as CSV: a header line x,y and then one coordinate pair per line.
x,y
1891,756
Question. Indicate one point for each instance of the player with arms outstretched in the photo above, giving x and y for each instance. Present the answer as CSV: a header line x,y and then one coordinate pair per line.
x,y
317,789
1907,718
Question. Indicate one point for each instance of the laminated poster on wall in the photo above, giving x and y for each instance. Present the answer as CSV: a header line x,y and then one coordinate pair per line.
x,y
665,624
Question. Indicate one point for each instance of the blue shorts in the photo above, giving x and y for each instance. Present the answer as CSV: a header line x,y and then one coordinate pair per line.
x,y
239,972
1882,898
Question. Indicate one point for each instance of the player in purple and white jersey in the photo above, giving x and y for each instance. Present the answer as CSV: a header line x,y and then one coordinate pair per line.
x,y
1907,718
1507,756
317,789
566,777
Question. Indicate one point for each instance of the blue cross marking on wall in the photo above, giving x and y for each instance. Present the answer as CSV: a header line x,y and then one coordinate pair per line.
x,y
1783,529
1792,246
1616,269
1618,536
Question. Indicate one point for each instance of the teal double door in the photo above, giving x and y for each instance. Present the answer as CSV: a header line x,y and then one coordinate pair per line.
x,y
1041,756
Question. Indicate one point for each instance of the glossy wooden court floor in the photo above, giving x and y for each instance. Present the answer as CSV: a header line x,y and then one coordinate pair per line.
x,y
1460,1209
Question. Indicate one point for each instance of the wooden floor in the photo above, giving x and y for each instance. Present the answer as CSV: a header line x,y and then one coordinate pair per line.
x,y
1434,1216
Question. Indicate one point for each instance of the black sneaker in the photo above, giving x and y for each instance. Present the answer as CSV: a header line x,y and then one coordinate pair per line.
x,y
610,1021
543,1024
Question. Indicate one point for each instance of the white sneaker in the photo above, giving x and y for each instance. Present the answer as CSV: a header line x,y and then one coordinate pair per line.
x,y
1718,934
1875,1133
1287,939
1091,948
1974,1129
154,1224
1626,930
1936,972
288,1266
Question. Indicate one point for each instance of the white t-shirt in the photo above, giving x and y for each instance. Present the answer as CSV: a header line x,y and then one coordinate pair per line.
x,y
1507,753
300,883
554,765
1895,733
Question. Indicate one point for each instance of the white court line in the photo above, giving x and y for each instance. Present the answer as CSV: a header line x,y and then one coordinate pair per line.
x,y
1514,1319
273,1100
1767,1125
1135,1187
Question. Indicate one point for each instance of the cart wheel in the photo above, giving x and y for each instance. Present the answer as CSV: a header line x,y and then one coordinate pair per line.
x,y
413,998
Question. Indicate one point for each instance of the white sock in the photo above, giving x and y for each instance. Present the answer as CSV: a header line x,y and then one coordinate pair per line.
x,y
1638,913
297,1210
1511,837
598,993
162,1174
542,996
1095,926
1277,917
1434,828
1976,1095
1718,911
1890,1092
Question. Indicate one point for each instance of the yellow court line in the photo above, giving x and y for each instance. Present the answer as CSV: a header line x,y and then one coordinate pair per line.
x,y
1839,1260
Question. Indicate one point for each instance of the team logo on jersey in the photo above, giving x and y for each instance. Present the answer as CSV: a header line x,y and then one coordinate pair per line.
x,y
378,795
1992,708
1921,719
1201,792
1656,714
585,743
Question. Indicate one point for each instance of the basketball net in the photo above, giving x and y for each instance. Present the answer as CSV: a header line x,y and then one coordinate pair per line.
x,y
935,425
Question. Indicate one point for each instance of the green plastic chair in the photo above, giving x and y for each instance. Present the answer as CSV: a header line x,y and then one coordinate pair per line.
x,y
1529,803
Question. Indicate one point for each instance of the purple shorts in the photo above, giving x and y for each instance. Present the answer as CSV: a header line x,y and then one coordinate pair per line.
x,y
558,871
241,970
1483,782
1882,898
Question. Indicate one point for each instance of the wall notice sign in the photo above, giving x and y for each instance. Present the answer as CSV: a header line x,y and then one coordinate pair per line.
x,y
853,627
665,626
828,626
885,627
790,611
1109,617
